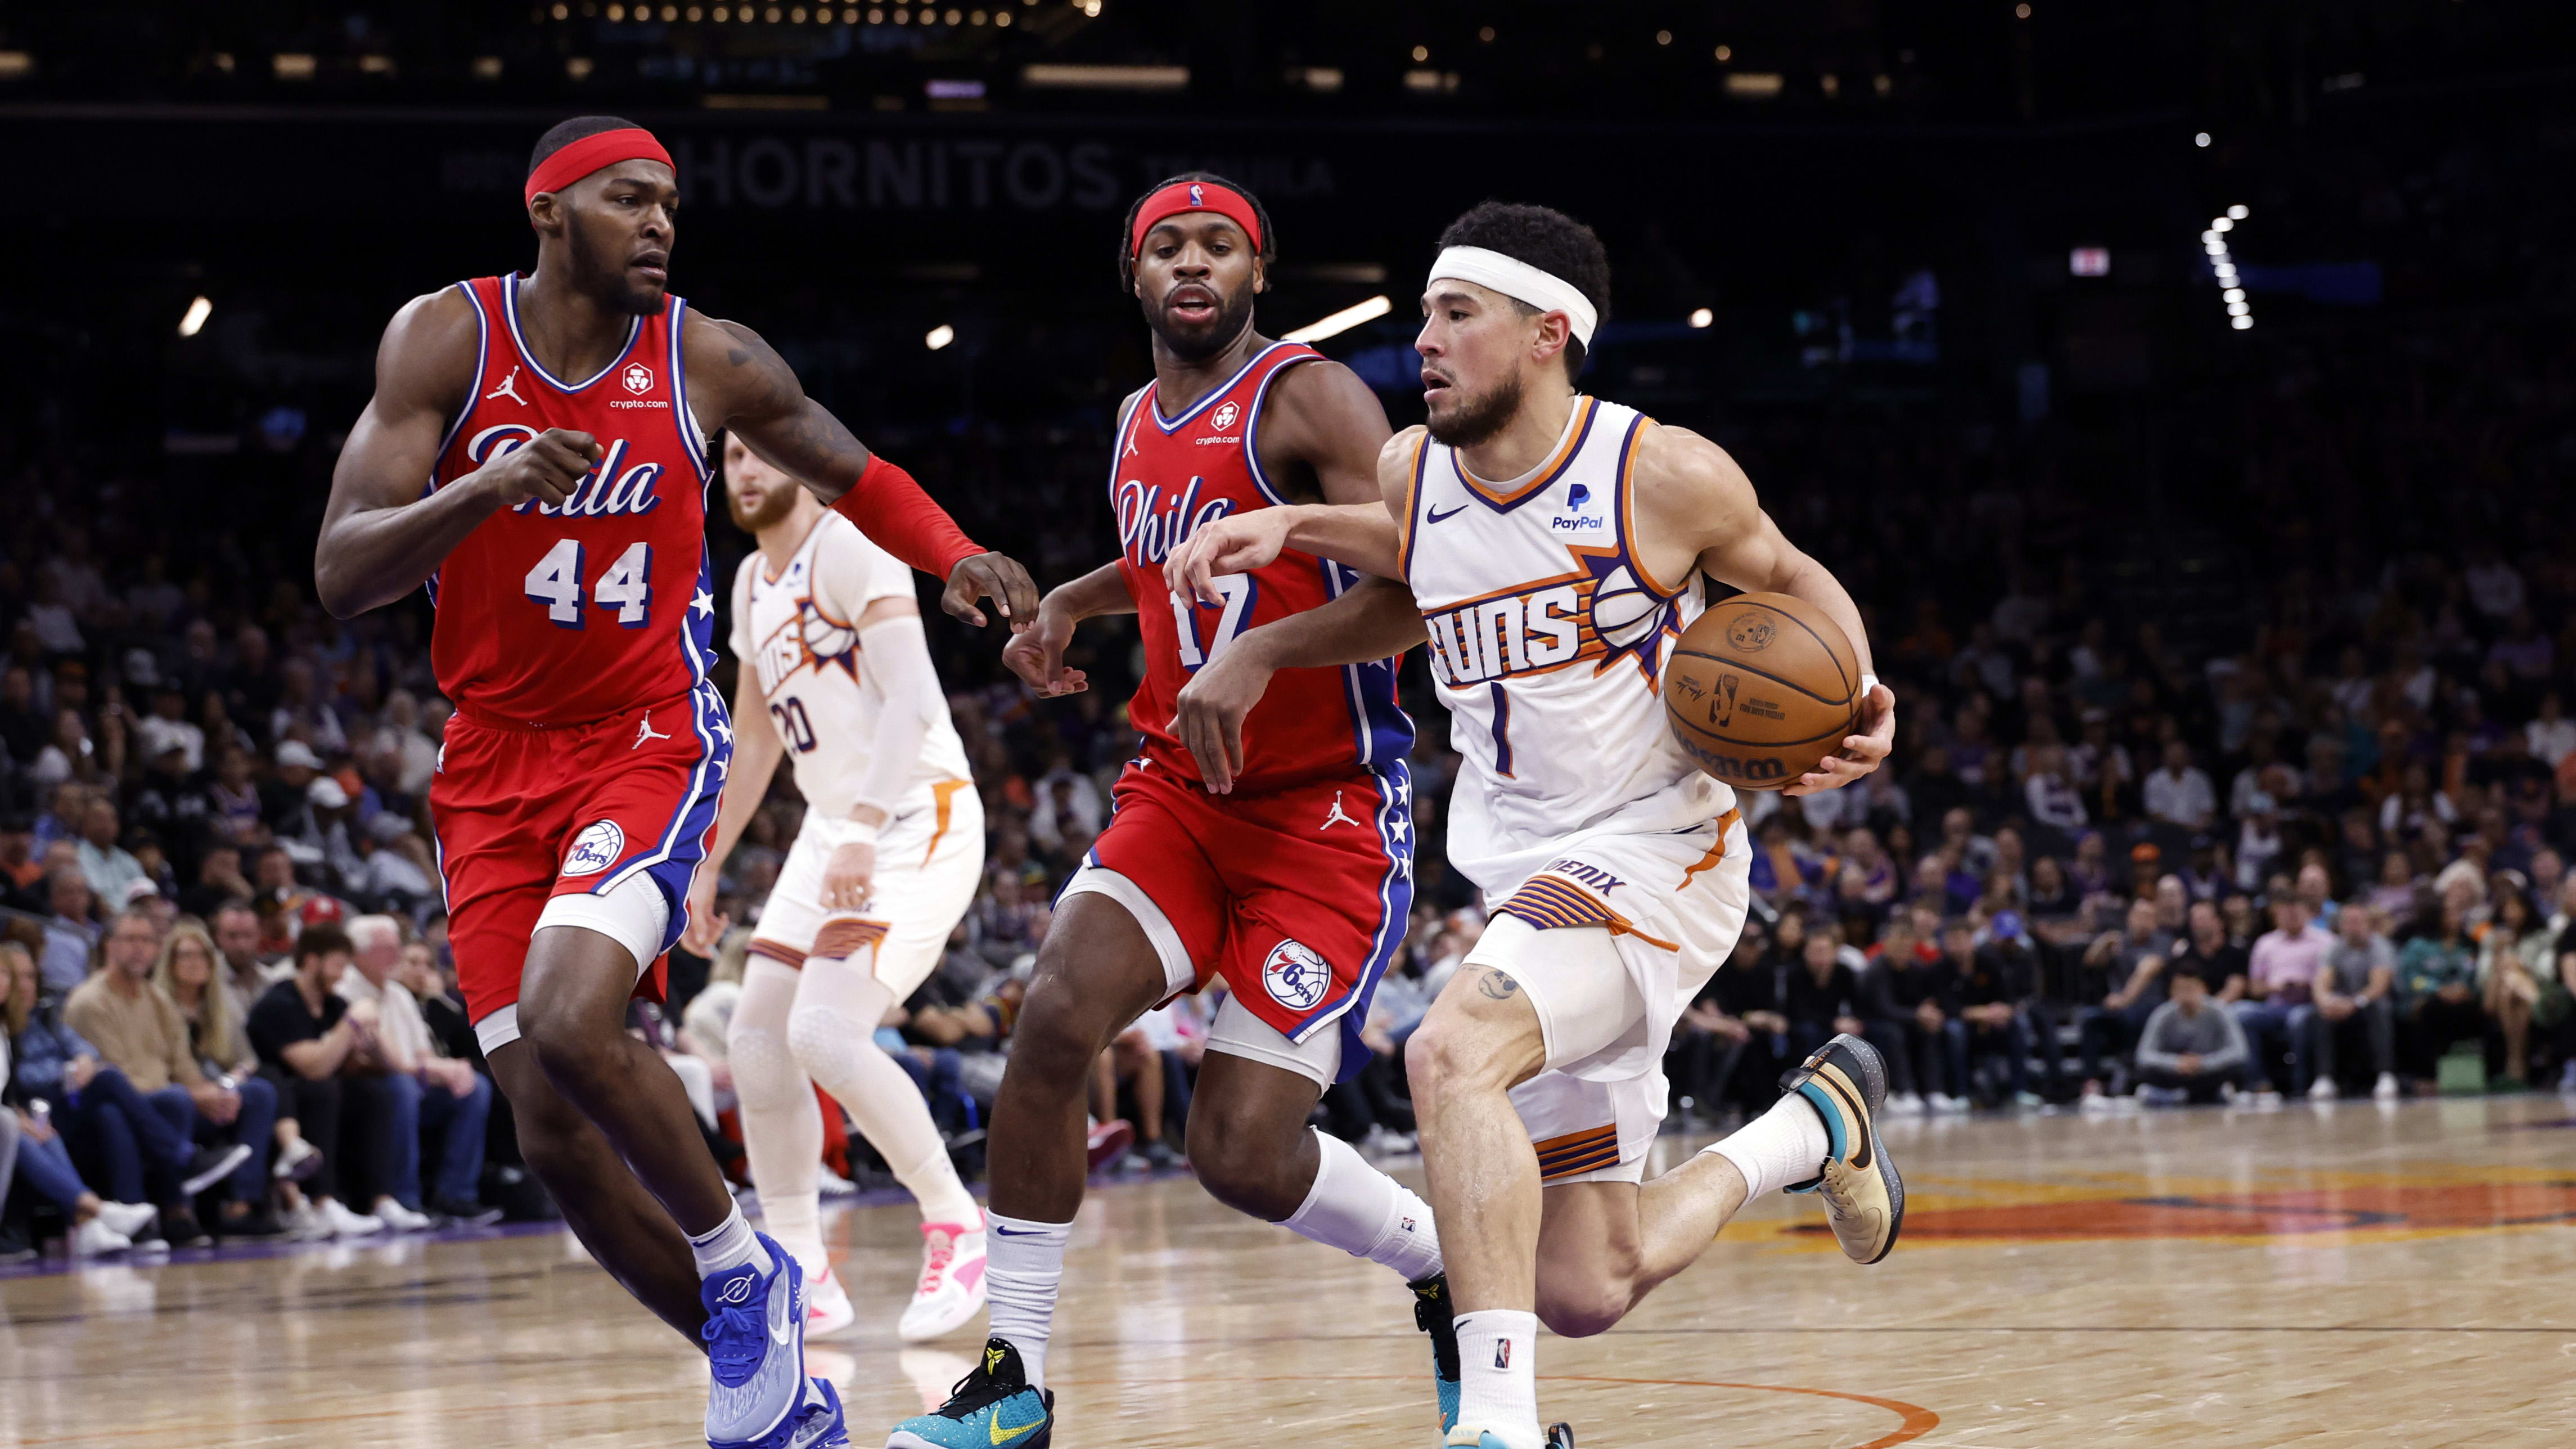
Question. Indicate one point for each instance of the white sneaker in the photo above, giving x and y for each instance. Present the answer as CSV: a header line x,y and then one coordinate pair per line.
x,y
1906,1104
342,1223
2322,1090
827,1305
951,1291
398,1218
128,1218
1949,1106
95,1238
305,1224
2386,1088
828,1183
299,1160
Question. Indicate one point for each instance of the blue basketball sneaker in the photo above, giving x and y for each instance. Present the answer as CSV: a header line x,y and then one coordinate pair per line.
x,y
991,1408
1434,1314
755,1337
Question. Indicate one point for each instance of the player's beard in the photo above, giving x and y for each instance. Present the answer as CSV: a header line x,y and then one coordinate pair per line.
x,y
1479,419
605,279
1198,344
775,504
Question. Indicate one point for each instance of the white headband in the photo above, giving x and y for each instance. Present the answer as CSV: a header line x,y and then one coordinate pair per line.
x,y
1522,282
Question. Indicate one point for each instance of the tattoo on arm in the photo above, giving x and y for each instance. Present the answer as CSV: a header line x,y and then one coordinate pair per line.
x,y
1497,985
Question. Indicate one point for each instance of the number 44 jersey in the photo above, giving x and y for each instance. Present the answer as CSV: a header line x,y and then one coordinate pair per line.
x,y
799,630
1172,476
559,614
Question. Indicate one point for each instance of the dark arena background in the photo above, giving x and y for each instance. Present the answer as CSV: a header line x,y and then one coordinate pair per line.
x,y
2185,391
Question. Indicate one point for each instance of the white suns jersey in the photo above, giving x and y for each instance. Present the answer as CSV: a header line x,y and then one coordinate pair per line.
x,y
799,631
1548,640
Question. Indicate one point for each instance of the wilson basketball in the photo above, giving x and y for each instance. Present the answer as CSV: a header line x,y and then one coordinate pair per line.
x,y
1760,688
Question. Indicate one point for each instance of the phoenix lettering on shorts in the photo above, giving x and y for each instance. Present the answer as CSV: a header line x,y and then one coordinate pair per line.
x,y
1591,875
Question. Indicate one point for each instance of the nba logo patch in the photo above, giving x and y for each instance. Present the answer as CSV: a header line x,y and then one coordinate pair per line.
x,y
1198,194
639,379
595,849
1503,1354
1295,976
1223,418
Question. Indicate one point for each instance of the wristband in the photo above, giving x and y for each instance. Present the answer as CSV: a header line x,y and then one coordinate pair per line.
x,y
861,832
1868,685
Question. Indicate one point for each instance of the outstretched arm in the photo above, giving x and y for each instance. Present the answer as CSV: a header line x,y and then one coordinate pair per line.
x,y
748,388
1321,419
380,536
1689,490
1037,654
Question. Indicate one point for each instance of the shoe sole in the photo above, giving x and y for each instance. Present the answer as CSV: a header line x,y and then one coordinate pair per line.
x,y
943,1326
1039,1439
779,1430
231,1163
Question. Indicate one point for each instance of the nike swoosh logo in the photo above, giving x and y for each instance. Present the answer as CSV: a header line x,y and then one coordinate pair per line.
x,y
1435,515
1004,1436
782,1326
1012,1233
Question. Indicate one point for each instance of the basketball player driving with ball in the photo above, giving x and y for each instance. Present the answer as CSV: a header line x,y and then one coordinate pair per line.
x,y
1553,547
536,454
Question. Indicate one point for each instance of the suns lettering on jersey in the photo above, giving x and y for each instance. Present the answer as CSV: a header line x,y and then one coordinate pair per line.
x,y
1603,614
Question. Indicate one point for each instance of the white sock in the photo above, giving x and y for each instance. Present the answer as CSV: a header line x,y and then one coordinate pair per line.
x,y
1497,1381
795,1219
1367,1214
1784,1145
1021,1277
727,1246
832,1033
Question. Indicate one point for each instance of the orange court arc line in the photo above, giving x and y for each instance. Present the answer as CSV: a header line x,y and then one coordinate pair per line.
x,y
1919,1421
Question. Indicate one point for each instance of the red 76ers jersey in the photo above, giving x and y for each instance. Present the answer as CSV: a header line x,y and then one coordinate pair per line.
x,y
1170,477
556,614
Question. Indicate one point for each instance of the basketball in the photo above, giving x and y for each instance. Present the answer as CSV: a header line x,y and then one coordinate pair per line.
x,y
1760,688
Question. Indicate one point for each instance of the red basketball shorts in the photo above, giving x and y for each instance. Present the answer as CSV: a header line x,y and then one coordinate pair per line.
x,y
1298,897
620,810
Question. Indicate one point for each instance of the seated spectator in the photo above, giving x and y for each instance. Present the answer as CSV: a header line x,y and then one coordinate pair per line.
x,y
1986,1020
246,974
110,869
1714,1040
2053,796
2360,984
2192,1048
2437,974
2179,793
414,1087
1915,987
186,973
2280,1003
32,1153
139,1033
307,1038
1823,995
2205,948
2518,975
70,935
2133,959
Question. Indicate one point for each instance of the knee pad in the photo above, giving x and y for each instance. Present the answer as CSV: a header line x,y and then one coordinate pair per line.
x,y
765,1075
826,1042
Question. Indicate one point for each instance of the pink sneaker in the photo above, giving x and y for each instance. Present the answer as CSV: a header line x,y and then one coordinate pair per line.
x,y
951,1291
827,1304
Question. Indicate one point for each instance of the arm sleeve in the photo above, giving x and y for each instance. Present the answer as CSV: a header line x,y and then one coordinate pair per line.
x,y
898,662
889,506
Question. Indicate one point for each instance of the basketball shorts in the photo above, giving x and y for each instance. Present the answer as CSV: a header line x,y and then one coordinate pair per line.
x,y
1298,897
598,825
1611,940
929,858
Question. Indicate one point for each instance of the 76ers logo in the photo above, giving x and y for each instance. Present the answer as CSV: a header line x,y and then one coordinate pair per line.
x,y
639,379
1295,976
595,849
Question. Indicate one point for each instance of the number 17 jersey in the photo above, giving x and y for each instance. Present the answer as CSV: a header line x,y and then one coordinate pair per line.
x,y
561,614
1173,476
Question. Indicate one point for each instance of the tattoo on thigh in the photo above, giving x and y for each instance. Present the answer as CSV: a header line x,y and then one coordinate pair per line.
x,y
1498,986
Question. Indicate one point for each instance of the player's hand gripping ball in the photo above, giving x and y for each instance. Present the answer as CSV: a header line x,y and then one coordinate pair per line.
x,y
1761,689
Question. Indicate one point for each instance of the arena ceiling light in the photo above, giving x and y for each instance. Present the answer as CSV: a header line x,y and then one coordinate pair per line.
x,y
940,336
1105,77
195,322
2222,265
1343,321
1701,317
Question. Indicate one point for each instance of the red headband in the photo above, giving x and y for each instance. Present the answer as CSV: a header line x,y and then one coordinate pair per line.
x,y
592,153
1186,196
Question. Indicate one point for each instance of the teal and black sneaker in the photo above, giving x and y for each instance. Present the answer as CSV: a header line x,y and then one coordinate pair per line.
x,y
991,1408
1846,1082
1434,1314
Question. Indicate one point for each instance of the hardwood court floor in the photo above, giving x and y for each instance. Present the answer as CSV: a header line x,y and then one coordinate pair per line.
x,y
2344,1277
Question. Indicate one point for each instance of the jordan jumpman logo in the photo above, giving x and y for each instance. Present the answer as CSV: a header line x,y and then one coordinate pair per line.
x,y
645,731
1338,817
509,388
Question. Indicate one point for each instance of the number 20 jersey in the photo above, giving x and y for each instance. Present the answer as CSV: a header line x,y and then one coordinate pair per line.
x,y
1172,476
557,614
